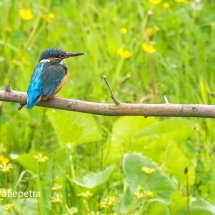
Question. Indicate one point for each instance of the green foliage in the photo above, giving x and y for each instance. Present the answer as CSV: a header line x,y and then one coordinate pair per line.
x,y
82,127
29,162
138,181
84,164
157,182
123,133
94,181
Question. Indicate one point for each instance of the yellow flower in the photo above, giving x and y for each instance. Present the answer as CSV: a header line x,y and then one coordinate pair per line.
x,y
120,51
166,5
123,31
147,170
57,187
5,161
85,195
1,157
109,202
139,195
149,194
124,53
58,199
9,207
150,31
6,168
41,158
51,16
180,1
26,14
148,48
155,1
144,194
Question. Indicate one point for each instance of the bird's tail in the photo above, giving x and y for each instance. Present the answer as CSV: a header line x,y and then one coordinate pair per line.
x,y
33,98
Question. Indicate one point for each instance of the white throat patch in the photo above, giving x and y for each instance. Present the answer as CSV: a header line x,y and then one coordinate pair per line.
x,y
45,60
62,62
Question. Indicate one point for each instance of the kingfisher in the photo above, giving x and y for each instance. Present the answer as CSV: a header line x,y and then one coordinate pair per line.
x,y
49,76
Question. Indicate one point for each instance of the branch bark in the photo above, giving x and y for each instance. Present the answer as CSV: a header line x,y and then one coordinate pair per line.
x,y
123,109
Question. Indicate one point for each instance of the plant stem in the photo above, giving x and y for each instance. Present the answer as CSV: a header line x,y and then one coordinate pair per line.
x,y
41,200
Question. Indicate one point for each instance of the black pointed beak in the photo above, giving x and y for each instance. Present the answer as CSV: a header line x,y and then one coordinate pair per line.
x,y
73,54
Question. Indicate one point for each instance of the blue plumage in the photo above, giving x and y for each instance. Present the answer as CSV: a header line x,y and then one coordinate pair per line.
x,y
49,76
35,87
45,80
52,78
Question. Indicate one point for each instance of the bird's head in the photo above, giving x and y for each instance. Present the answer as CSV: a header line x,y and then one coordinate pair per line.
x,y
58,55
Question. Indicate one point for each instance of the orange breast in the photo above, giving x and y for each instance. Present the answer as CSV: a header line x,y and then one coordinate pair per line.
x,y
63,81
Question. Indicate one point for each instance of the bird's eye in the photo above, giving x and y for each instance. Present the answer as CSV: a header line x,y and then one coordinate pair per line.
x,y
61,55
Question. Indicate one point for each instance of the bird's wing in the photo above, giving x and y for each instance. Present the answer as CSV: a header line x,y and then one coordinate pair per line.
x,y
51,79
34,90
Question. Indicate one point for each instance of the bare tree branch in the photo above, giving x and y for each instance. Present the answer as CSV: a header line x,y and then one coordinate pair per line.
x,y
168,110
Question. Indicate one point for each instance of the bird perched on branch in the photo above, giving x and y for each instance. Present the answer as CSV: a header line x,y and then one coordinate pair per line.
x,y
49,76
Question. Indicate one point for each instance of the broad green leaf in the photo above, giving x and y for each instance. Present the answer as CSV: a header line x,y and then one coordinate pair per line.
x,y
148,136
26,205
176,129
157,208
3,211
23,205
74,128
94,181
176,162
155,148
72,210
29,163
178,203
199,206
157,182
126,127
153,140
60,161
123,132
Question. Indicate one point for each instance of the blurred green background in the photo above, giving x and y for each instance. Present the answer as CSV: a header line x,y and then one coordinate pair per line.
x,y
85,164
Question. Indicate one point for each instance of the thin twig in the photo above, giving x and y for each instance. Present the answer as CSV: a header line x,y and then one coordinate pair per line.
x,y
116,101
149,14
21,106
166,100
8,88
